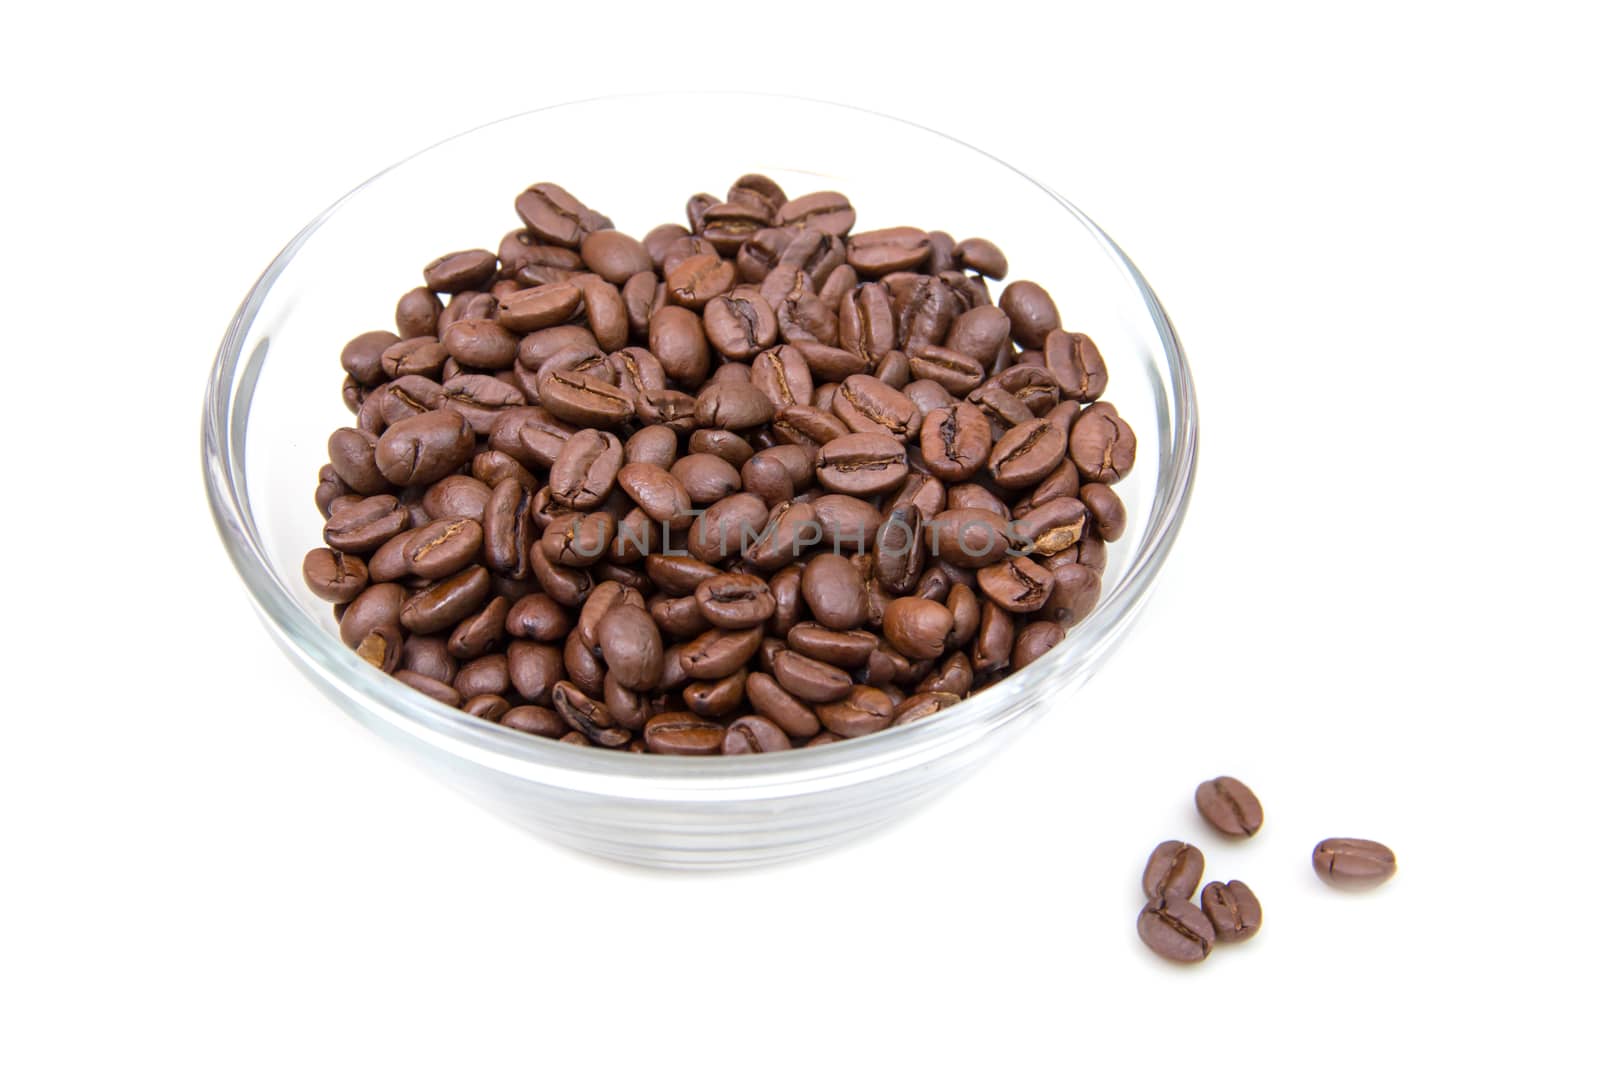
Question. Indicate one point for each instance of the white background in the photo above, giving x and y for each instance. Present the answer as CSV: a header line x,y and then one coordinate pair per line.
x,y
1375,226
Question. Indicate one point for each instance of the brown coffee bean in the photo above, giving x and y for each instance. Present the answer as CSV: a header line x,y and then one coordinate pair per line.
x,y
443,548
771,700
333,575
869,405
985,257
719,653
955,442
834,591
878,252
1027,454
614,255
534,669
1017,584
1233,910
1173,870
1052,527
416,314
734,601
1102,445
1031,311
587,716
826,213
444,603
809,679
557,217
1229,806
864,710
1353,863
1033,641
917,628
730,527
862,464
364,525
1110,516
678,733
1075,362
1176,930
533,719
753,734
968,537
459,271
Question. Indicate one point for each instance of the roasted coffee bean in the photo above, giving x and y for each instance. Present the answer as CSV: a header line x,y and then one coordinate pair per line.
x,y
538,617
1033,641
1017,584
809,679
992,644
534,669
753,734
862,464
362,357
954,675
1052,527
869,405
917,628
1233,910
863,710
958,373
1229,806
734,601
981,333
428,686
968,537
424,448
479,633
480,399
899,552
967,611
1003,410
1173,870
731,527
955,442
422,357
1027,454
459,271
534,719
352,454
585,472
715,699
834,591
922,705
366,524
1075,362
416,314
483,676
1176,930
770,699
1102,445
1110,516
878,252
587,716
333,575
740,324
768,478
579,540
718,653
983,256
557,217
679,733
1351,862
782,375
695,281
1031,311
442,548
842,648
585,400
613,255
444,603
631,646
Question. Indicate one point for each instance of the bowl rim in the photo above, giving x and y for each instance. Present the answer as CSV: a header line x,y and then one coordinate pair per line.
x,y
599,770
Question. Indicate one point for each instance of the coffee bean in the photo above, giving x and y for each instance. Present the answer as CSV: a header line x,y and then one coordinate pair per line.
x,y
753,734
862,464
334,576
1034,640
365,525
1027,454
1229,806
719,653
1352,863
918,628
834,592
460,271
442,548
870,405
1018,584
444,603
1173,871
968,537
826,213
809,679
678,733
556,216
878,252
1031,311
864,710
1233,910
1176,930
1102,445
985,257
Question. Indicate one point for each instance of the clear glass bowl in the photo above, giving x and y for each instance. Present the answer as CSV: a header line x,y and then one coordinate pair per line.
x,y
274,396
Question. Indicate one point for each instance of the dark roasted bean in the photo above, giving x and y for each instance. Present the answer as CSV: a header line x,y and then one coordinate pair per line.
x,y
1173,870
1176,930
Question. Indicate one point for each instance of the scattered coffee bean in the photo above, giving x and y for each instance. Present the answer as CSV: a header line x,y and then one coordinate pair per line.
x,y
1176,930
1233,909
1229,806
1173,870
1353,863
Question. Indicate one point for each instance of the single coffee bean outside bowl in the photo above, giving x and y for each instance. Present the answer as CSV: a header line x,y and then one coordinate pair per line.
x,y
274,396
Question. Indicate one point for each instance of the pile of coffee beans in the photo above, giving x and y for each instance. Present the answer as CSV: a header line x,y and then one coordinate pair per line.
x,y
749,483
1174,927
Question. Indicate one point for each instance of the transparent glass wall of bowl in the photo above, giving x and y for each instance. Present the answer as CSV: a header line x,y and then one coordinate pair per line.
x,y
278,397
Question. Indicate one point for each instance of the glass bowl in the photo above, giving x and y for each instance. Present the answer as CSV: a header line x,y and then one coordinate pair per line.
x,y
274,396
